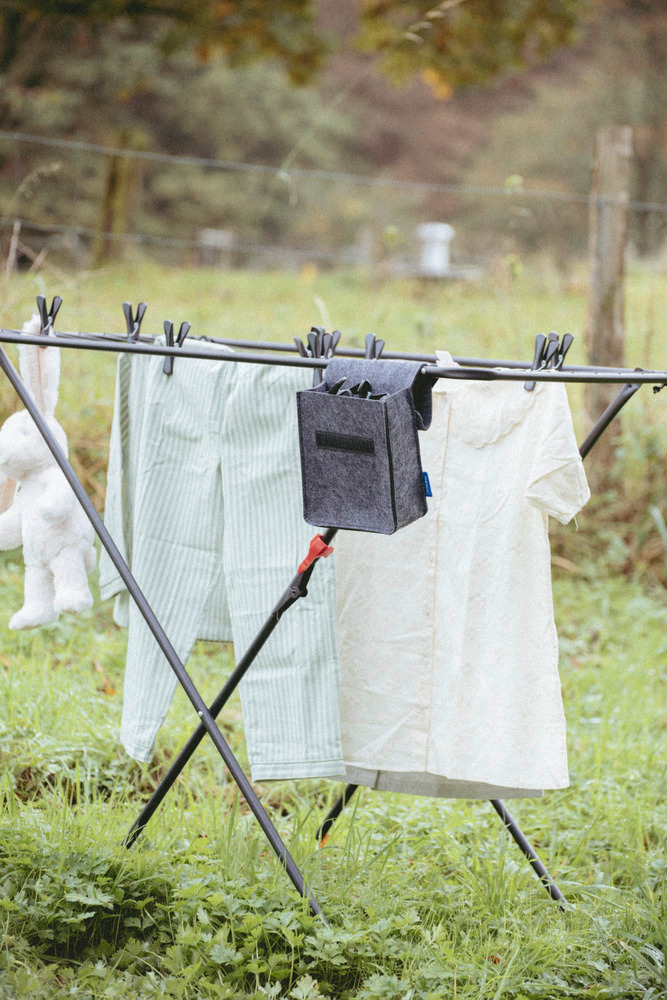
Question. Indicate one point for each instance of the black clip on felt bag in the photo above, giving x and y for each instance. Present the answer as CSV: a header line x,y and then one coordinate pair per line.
x,y
360,462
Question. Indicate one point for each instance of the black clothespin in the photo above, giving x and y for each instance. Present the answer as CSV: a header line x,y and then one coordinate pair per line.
x,y
362,389
168,366
549,354
337,386
326,345
133,322
565,346
320,345
315,338
551,351
47,318
373,346
540,344
330,343
316,344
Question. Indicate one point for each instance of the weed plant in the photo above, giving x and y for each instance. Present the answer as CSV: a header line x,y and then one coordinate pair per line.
x,y
425,898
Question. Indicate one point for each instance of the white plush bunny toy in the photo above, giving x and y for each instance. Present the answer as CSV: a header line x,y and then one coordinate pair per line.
x,y
44,515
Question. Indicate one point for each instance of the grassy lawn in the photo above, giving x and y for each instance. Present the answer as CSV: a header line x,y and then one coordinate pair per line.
x,y
426,899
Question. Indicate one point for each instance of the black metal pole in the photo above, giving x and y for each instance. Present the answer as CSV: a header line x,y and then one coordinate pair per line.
x,y
296,589
626,392
119,343
207,720
481,373
333,814
520,838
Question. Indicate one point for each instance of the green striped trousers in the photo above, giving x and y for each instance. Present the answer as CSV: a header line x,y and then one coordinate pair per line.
x,y
204,501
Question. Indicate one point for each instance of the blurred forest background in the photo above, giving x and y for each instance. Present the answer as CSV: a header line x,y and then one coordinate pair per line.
x,y
360,121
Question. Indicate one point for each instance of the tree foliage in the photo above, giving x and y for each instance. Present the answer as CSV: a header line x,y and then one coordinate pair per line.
x,y
151,74
132,96
460,43
174,76
242,29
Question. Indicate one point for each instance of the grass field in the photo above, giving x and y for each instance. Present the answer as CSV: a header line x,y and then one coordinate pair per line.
x,y
426,899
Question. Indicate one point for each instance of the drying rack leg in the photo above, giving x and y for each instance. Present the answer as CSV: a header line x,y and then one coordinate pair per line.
x,y
295,590
322,834
207,721
618,402
513,828
524,844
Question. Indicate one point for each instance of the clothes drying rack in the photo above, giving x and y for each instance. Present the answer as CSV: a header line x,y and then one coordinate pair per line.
x,y
253,353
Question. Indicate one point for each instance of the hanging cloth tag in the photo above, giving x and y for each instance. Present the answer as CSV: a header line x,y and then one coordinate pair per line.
x,y
427,485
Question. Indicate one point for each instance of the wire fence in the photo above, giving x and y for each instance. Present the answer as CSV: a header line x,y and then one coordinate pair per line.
x,y
82,203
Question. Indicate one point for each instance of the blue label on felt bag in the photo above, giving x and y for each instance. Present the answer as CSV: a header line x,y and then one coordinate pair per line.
x,y
427,485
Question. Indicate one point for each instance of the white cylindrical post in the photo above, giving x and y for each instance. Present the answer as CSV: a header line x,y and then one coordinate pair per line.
x,y
435,238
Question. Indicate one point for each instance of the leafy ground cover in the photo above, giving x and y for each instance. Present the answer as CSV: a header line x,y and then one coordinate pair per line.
x,y
425,899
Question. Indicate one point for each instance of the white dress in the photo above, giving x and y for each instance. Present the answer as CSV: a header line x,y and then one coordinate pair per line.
x,y
448,647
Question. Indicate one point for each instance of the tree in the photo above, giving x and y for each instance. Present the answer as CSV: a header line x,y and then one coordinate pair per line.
x,y
639,31
102,69
242,29
460,42
190,109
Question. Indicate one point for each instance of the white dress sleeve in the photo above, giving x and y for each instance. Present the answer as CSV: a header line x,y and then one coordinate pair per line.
x,y
557,482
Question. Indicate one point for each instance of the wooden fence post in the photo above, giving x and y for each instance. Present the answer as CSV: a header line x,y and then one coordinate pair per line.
x,y
605,323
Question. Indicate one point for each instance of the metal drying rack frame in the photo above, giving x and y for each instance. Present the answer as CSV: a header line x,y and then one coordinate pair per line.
x,y
252,353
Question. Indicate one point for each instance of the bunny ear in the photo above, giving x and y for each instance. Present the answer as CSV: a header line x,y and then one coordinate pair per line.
x,y
7,491
40,369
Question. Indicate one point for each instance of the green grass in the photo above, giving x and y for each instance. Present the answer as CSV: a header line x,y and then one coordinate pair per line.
x,y
426,899
423,896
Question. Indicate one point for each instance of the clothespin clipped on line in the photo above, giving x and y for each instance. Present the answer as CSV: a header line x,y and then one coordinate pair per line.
x,y
168,366
320,345
316,341
551,350
565,346
47,319
133,322
549,354
540,343
373,347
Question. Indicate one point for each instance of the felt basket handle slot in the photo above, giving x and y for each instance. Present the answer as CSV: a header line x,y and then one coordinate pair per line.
x,y
345,442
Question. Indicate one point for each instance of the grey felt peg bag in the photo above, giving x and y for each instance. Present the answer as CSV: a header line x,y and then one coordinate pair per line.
x,y
360,461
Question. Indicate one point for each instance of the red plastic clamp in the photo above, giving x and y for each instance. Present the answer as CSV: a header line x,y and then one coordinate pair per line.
x,y
318,547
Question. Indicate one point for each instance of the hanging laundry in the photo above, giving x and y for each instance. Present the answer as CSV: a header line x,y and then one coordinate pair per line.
x,y
204,501
39,510
447,640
